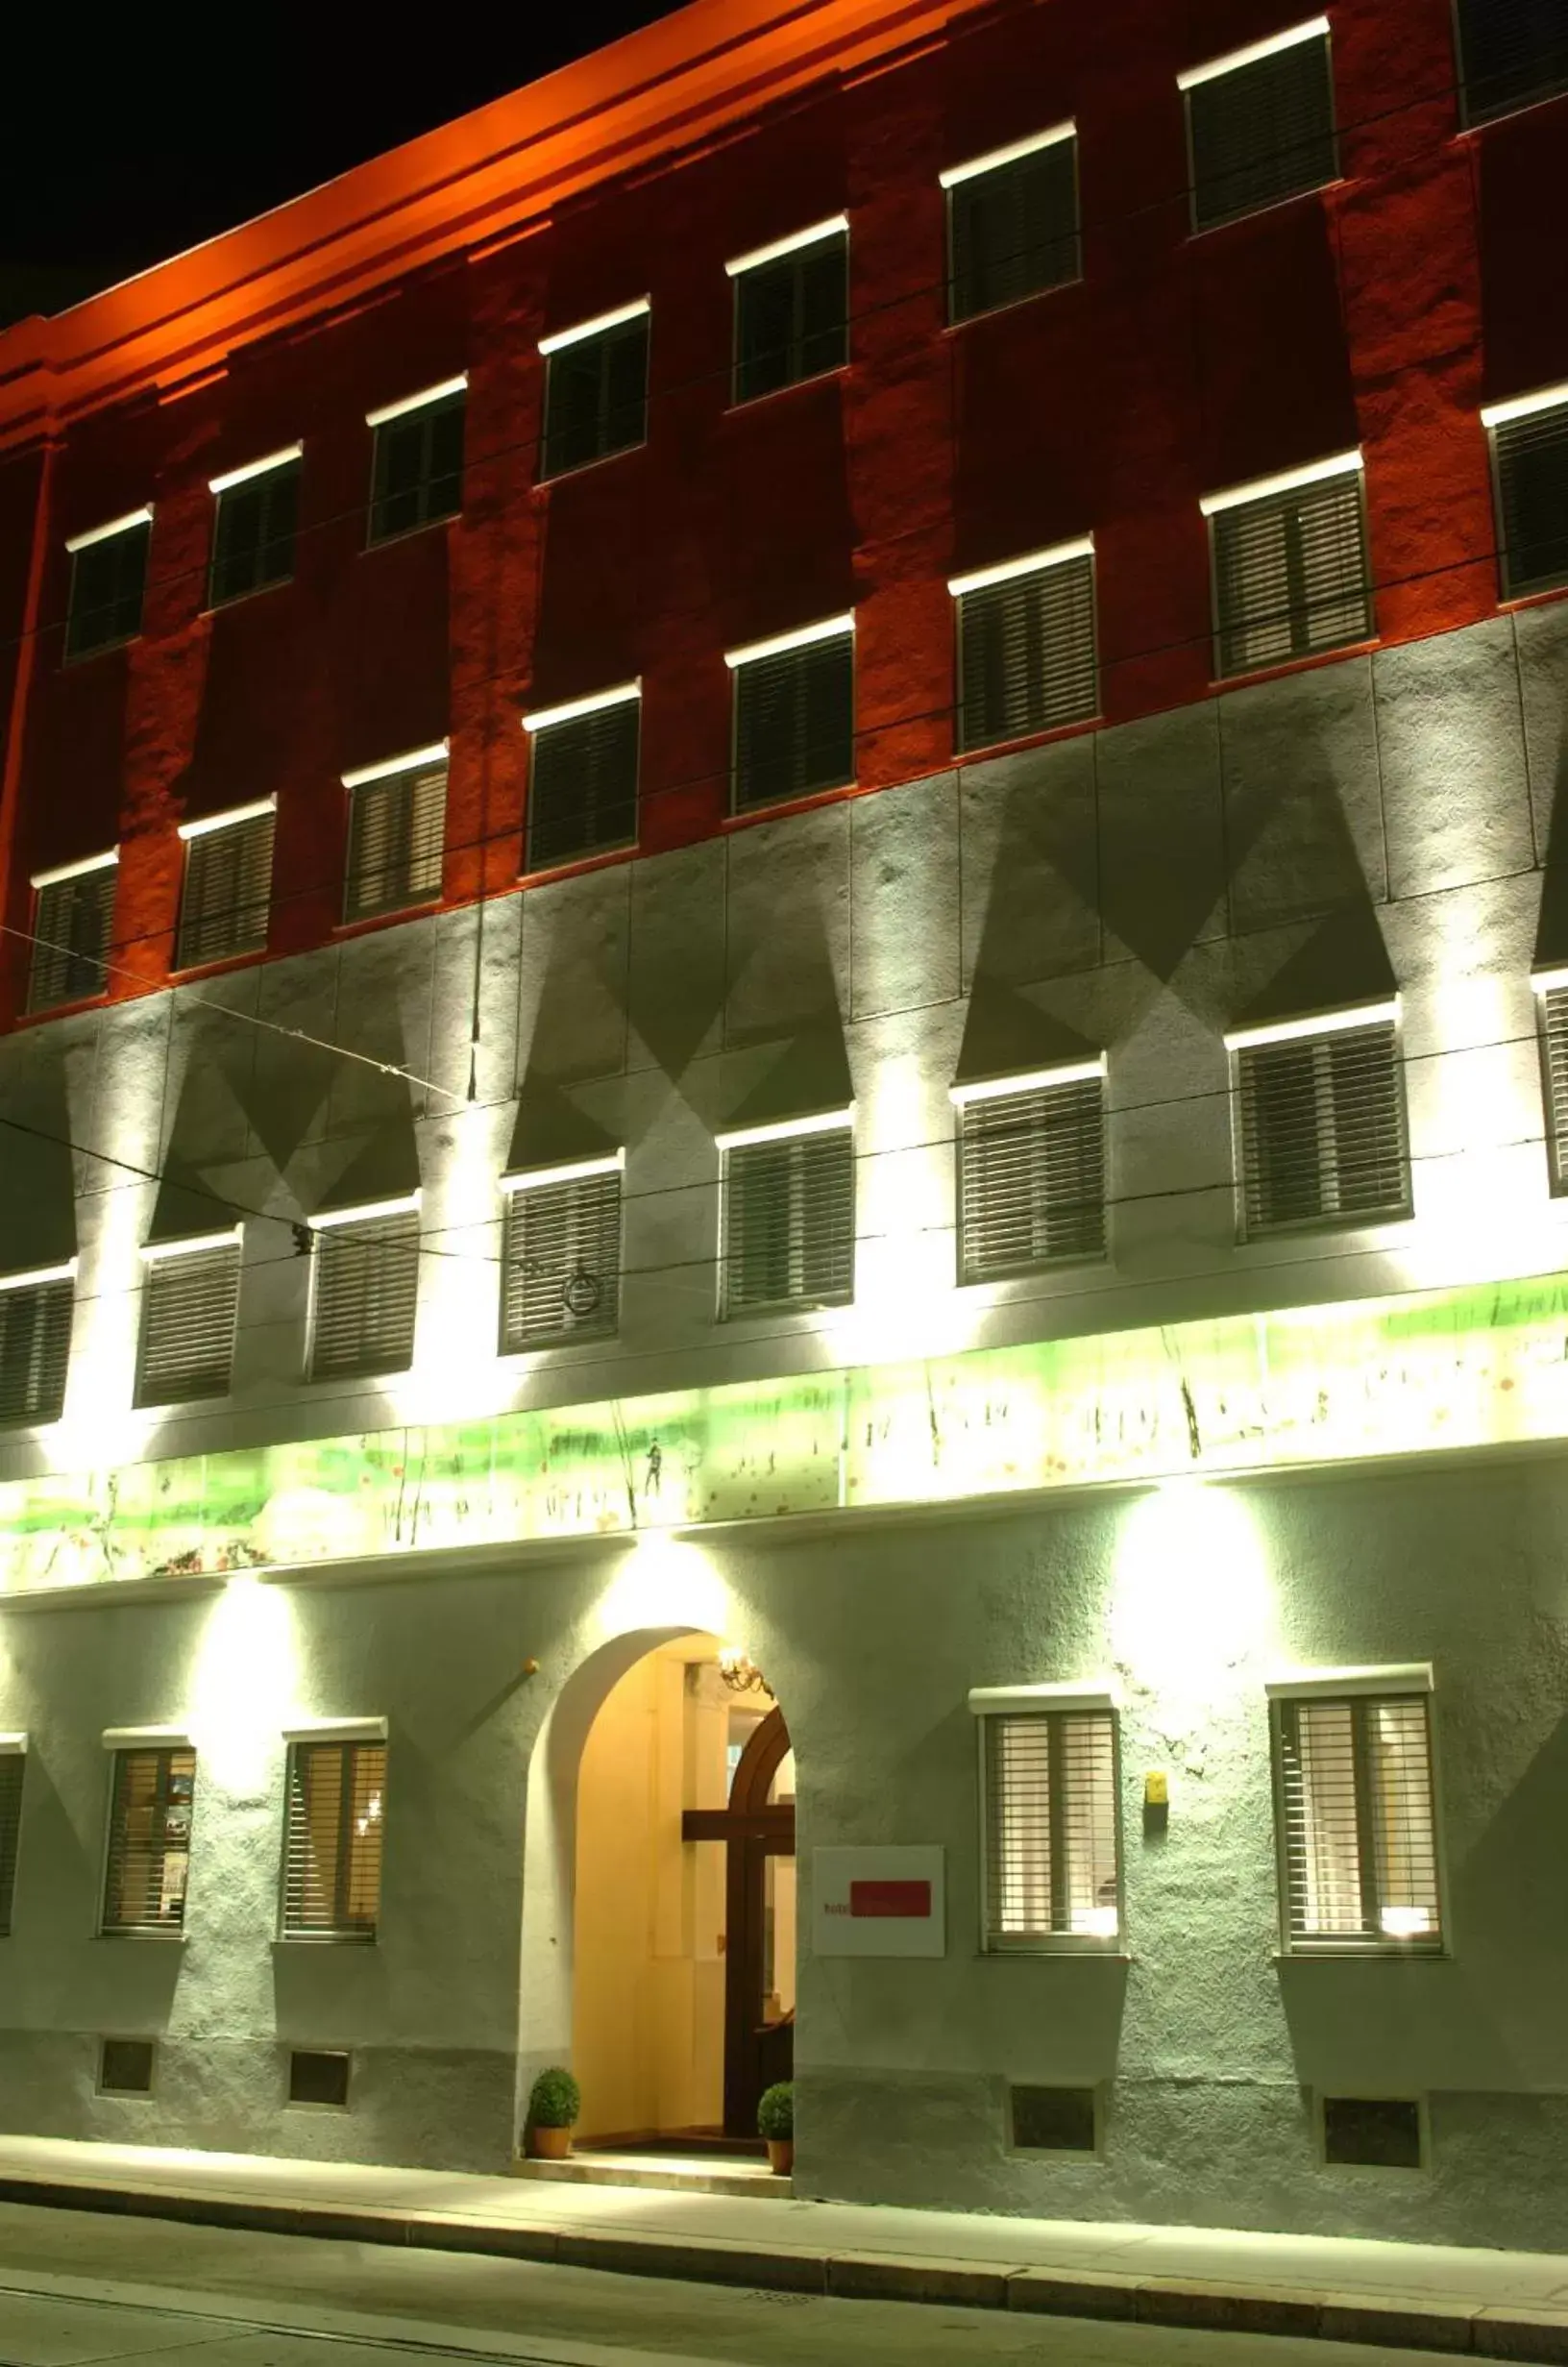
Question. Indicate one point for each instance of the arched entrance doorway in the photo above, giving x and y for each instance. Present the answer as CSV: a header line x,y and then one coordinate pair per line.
x,y
756,1827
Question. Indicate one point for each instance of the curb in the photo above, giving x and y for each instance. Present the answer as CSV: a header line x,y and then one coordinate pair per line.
x,y
1482,2331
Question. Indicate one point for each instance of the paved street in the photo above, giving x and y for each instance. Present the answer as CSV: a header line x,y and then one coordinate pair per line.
x,y
78,2287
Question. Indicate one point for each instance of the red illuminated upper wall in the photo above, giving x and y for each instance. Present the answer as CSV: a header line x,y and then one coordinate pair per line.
x,y
1381,312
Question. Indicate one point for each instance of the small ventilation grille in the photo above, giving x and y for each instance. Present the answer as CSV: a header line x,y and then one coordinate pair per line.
x,y
188,1326
71,924
125,2066
792,317
35,1351
795,722
1554,1057
1054,2120
1051,1870
1013,232
1291,575
223,906
332,1840
316,2077
1372,2132
562,1269
13,1774
367,1296
397,827
1031,1179
582,785
1532,500
790,1223
1262,133
1323,1130
1361,1852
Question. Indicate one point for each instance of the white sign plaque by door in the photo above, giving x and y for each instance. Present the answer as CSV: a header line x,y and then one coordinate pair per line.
x,y
889,1901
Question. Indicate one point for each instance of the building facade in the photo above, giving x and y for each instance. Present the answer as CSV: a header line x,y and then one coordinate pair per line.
x,y
782,890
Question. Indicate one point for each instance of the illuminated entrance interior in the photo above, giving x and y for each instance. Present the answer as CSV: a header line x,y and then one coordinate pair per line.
x,y
684,1951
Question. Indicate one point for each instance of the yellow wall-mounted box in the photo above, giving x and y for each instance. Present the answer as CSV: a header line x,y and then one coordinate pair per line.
x,y
1157,1788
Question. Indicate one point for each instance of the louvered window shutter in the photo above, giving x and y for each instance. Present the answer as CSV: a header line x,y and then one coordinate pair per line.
x,y
792,317
108,580
795,722
367,1293
396,831
1261,132
596,397
149,1840
71,924
790,1223
227,892
582,784
1554,1005
1013,232
190,1306
561,1273
1031,1179
1291,575
1026,655
1358,1840
254,534
35,1351
1051,1870
417,468
13,1773
1532,500
332,1840
1323,1130
1514,53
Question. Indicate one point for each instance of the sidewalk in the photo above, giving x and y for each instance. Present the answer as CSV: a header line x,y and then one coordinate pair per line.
x,y
1494,2305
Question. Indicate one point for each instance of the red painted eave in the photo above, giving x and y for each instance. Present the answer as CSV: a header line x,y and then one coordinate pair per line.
x,y
669,88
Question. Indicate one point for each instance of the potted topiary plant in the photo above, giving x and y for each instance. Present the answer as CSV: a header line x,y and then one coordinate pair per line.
x,y
775,2121
553,2106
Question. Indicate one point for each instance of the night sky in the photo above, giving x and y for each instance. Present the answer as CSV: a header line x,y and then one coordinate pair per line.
x,y
123,147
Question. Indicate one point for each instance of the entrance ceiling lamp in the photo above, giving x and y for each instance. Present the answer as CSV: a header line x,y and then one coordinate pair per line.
x,y
739,1670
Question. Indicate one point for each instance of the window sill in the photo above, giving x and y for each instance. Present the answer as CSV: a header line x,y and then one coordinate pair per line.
x,y
1013,304
1060,1951
359,1941
1253,214
806,803
363,920
1470,125
987,752
405,533
100,648
1377,1952
1325,1228
238,600
1308,662
571,866
165,1939
580,468
738,404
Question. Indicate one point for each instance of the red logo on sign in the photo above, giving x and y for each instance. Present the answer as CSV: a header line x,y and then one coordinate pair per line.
x,y
910,1899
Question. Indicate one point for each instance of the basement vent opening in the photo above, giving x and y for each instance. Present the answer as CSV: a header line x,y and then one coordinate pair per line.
x,y
124,2068
316,2078
1372,2132
1053,2120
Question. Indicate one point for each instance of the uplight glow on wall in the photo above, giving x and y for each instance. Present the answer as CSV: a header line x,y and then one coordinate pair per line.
x,y
1397,1376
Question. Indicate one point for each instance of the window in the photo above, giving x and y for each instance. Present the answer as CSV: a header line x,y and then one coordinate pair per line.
x,y
227,885
190,1301
596,389
252,534
561,1262
417,460
1051,1831
73,912
366,1290
1054,2120
318,2077
1026,657
788,1200
397,832
333,1838
795,714
1259,125
1357,1822
582,777
1012,223
1529,463
1290,568
108,575
1551,1002
13,1770
1031,1171
1372,2132
1512,53
34,1343
791,309
149,1837
1321,1109
125,2066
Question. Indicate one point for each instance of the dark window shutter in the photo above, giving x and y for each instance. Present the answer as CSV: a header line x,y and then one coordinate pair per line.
x,y
792,317
561,1271
149,1840
71,927
1554,1062
1031,1179
596,397
1051,1828
1514,53
35,1351
582,784
254,534
1359,1835
107,582
332,1840
13,1773
417,467
795,722
1291,575
1027,655
189,1307
1532,500
1261,132
1323,1130
367,1293
228,889
790,1223
397,832
1013,232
